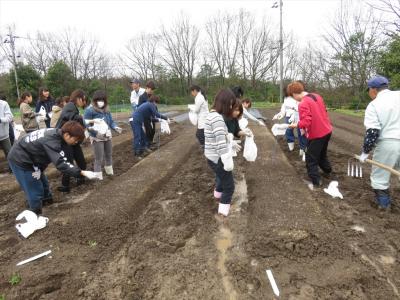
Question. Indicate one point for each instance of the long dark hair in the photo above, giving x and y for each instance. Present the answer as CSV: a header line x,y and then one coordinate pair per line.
x,y
41,90
23,97
198,89
224,101
98,96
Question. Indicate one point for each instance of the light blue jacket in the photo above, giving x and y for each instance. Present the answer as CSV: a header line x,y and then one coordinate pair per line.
x,y
6,118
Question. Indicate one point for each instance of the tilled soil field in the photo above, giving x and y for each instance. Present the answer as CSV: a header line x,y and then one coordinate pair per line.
x,y
151,232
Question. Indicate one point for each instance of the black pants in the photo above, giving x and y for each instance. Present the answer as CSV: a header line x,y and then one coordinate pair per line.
x,y
73,153
316,156
11,133
200,137
150,129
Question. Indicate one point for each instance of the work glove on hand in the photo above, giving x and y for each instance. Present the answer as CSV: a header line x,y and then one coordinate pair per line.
x,y
89,174
363,157
118,129
37,173
261,123
248,132
278,116
227,160
235,146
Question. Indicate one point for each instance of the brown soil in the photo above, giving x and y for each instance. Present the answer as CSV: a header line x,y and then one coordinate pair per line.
x,y
151,232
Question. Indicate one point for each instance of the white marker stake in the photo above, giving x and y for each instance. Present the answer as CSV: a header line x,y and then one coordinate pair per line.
x,y
272,282
34,258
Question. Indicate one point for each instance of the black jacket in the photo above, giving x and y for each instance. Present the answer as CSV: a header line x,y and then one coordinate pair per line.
x,y
143,98
47,104
39,149
233,126
69,113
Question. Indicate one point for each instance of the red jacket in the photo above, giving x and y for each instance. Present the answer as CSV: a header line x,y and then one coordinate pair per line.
x,y
314,117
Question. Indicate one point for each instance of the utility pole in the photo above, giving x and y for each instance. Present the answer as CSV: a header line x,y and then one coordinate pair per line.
x,y
11,40
280,53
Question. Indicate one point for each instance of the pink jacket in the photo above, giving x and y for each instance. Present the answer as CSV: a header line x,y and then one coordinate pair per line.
x,y
314,117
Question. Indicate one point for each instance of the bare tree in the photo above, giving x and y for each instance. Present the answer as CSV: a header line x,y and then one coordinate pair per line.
x,y
391,7
140,56
180,45
224,40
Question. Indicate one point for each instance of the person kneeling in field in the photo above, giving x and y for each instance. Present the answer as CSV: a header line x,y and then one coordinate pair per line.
x,y
216,148
31,155
101,142
146,112
315,121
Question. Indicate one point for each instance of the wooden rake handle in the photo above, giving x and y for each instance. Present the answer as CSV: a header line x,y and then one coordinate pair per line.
x,y
382,166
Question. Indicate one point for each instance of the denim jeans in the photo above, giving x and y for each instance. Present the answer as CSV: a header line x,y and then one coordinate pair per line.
x,y
35,189
139,136
290,138
224,182
134,107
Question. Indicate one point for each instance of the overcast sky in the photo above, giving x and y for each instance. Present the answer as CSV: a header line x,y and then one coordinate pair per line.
x,y
113,23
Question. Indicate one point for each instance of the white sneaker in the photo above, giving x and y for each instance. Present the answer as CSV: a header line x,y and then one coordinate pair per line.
x,y
99,175
291,146
304,157
223,209
109,170
301,152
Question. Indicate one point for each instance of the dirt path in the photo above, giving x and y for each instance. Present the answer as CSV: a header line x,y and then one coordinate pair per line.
x,y
151,231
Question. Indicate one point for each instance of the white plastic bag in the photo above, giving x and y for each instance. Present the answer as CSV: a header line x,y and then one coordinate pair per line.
x,y
192,114
41,115
243,122
101,126
18,131
250,149
165,127
279,129
33,223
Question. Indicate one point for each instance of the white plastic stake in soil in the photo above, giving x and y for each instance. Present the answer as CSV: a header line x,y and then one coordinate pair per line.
x,y
34,258
272,282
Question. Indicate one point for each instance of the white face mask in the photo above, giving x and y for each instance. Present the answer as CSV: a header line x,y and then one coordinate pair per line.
x,y
100,104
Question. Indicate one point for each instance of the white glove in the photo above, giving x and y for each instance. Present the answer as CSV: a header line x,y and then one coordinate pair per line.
x,y
261,123
248,132
118,129
37,173
87,135
227,160
229,137
363,157
278,116
235,145
89,174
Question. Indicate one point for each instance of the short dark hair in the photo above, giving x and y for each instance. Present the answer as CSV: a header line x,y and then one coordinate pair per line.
x,y
195,88
150,84
74,129
154,98
100,95
248,101
238,91
224,101
237,105
60,101
77,94
41,90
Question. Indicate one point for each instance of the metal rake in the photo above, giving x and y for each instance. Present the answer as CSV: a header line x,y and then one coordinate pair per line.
x,y
354,168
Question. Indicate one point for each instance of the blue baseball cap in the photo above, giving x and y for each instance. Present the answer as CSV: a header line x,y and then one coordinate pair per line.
x,y
135,80
377,82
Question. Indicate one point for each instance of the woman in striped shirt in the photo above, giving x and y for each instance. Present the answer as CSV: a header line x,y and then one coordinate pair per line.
x,y
217,148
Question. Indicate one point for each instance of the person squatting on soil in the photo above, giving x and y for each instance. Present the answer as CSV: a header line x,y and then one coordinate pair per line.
x,y
216,148
31,155
201,109
382,123
28,116
315,121
290,111
146,112
57,109
101,142
70,112
46,101
6,117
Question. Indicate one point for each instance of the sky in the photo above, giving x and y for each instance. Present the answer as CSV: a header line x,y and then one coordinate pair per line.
x,y
113,23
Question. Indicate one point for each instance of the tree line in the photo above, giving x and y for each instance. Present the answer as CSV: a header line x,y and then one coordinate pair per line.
x,y
228,49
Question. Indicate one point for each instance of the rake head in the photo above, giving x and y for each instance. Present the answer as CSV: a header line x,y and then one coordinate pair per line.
x,y
354,168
